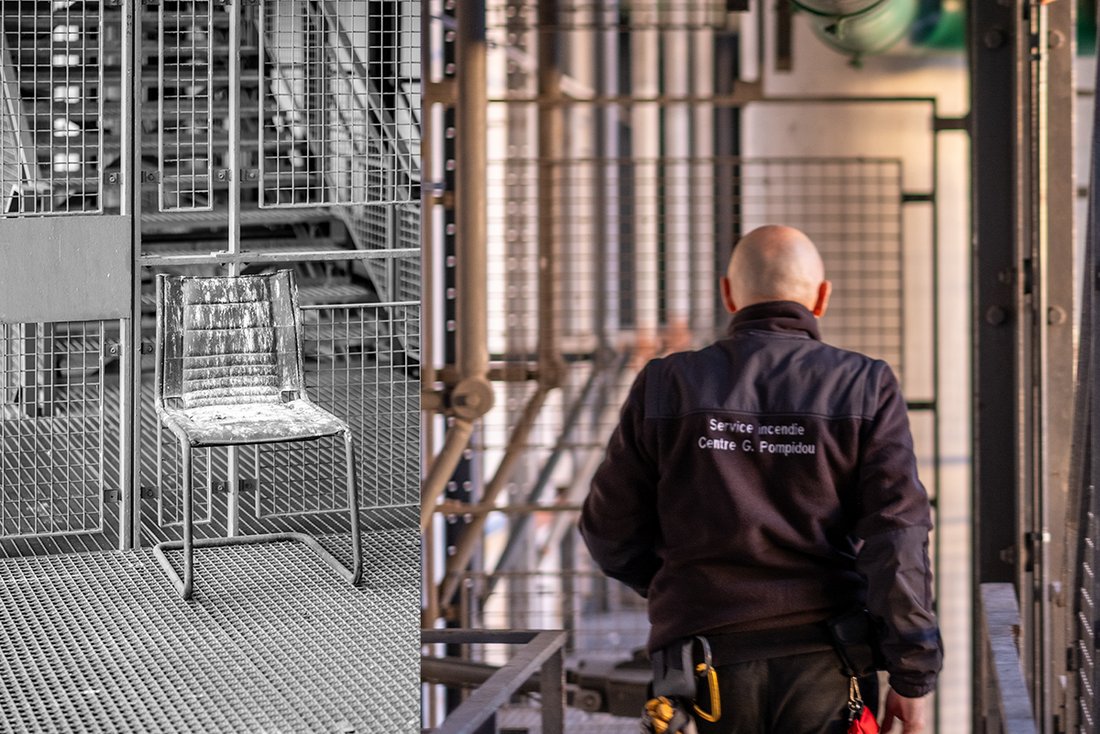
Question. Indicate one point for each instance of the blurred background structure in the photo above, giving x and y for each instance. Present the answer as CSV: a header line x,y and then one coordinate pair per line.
x,y
589,164
205,138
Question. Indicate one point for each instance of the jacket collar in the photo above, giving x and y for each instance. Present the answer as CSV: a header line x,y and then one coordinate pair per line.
x,y
780,316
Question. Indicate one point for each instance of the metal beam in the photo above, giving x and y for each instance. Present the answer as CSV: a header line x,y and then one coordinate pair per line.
x,y
473,396
541,652
1061,276
997,161
1007,708
1021,134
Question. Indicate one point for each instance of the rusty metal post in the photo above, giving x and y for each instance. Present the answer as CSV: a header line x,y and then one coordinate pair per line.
x,y
472,397
551,133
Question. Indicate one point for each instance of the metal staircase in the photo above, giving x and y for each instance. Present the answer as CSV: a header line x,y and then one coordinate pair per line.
x,y
61,134
62,74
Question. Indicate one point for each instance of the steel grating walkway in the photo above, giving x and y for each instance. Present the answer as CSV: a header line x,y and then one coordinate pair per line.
x,y
272,642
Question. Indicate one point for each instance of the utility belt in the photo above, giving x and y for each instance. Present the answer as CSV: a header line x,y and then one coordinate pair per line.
x,y
679,668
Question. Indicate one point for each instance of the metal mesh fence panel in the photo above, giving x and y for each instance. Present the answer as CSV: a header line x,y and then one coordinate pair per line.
x,y
185,112
59,443
635,276
60,68
339,81
357,367
852,210
1085,633
632,259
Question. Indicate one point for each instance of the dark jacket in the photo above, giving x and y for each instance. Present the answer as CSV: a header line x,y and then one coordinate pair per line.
x,y
769,481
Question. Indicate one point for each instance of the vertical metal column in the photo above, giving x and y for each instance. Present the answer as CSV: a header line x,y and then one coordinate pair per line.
x,y
1061,277
675,201
551,133
1022,207
235,176
998,164
472,397
702,215
130,379
645,140
608,283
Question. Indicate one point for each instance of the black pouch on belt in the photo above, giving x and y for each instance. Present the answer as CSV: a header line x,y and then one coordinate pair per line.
x,y
668,711
855,636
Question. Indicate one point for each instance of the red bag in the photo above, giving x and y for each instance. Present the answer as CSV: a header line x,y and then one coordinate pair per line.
x,y
863,723
860,718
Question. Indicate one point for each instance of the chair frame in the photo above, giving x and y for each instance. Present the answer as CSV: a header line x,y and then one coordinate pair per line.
x,y
184,585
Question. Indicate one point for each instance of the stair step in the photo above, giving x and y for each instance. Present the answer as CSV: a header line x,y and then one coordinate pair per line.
x,y
334,293
111,110
250,245
308,295
43,88
38,22
184,222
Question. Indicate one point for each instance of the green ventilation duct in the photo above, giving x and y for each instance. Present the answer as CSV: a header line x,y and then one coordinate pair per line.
x,y
860,27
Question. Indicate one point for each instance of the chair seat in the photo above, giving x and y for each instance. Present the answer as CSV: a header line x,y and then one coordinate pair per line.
x,y
228,425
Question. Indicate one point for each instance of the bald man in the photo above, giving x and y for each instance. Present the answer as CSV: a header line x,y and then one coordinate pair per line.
x,y
761,489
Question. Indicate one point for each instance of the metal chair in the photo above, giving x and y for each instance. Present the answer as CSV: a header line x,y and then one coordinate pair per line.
x,y
229,372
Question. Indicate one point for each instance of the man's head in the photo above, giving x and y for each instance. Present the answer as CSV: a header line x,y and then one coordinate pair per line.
x,y
775,263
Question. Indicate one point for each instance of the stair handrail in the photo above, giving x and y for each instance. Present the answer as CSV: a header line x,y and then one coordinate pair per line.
x,y
366,100
9,89
367,97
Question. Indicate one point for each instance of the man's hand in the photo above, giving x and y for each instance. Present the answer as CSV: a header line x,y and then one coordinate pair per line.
x,y
911,712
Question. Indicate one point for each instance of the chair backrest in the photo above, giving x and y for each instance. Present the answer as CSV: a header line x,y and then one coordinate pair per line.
x,y
227,340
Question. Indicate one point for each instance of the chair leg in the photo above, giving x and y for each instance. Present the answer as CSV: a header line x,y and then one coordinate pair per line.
x,y
353,503
188,559
183,586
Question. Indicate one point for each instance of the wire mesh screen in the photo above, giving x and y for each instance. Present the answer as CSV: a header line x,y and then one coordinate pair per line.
x,y
1084,635
639,248
59,441
60,67
356,367
637,252
340,91
185,112
852,211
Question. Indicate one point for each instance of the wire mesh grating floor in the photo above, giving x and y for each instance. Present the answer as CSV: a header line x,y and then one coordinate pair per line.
x,y
273,641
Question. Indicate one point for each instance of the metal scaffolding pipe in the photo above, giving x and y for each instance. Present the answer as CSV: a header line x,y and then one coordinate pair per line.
x,y
645,121
676,200
550,138
473,396
458,435
470,190
702,217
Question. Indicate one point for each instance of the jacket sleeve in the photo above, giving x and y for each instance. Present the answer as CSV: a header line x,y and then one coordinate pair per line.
x,y
619,521
894,520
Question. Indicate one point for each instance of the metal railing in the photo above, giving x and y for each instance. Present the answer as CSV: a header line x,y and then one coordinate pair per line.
x,y
1005,703
541,655
333,111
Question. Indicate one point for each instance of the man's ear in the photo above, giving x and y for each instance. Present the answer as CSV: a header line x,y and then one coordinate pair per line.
x,y
821,304
727,295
